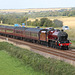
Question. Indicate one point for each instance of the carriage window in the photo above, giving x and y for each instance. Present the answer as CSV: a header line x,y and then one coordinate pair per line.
x,y
10,31
17,31
27,33
34,34
3,30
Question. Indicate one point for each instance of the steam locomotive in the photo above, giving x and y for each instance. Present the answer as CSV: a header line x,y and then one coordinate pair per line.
x,y
51,37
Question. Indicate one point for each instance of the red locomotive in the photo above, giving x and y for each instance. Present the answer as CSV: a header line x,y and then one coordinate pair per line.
x,y
50,37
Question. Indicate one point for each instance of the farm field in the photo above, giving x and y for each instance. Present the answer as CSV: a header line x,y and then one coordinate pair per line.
x,y
69,21
12,66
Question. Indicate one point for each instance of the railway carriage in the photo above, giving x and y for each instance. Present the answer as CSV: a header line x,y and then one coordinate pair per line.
x,y
2,30
32,33
19,32
9,31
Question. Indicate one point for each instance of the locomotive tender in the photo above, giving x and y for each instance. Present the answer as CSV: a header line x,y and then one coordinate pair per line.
x,y
51,37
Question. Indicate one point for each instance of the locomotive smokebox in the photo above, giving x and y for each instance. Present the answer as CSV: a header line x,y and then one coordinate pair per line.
x,y
62,35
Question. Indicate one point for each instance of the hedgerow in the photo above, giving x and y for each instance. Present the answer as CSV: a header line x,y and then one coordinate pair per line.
x,y
37,62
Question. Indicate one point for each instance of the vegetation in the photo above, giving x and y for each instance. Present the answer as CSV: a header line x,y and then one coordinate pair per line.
x,y
57,23
19,18
50,13
62,12
45,22
16,18
12,66
12,18
37,62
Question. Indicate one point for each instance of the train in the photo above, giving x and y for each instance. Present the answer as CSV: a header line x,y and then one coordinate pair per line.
x,y
49,37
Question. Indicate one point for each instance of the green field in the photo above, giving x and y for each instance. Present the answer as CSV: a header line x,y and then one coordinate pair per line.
x,y
12,66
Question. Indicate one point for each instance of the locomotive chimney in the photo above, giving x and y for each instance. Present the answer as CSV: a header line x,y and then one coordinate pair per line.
x,y
62,30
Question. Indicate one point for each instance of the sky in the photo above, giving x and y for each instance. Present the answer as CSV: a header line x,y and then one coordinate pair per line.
x,y
24,4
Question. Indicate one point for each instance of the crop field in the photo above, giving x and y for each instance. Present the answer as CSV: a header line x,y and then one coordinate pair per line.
x,y
69,21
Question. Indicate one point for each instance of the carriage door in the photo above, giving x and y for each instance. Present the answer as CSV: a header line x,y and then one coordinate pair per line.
x,y
43,36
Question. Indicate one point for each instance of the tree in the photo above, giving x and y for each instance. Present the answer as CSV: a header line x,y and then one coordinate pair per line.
x,y
46,22
57,23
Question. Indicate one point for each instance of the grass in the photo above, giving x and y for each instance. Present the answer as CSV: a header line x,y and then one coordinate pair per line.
x,y
73,41
37,62
73,44
12,66
6,24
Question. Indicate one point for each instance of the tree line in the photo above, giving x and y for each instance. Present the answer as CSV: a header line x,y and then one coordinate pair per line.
x,y
12,19
51,13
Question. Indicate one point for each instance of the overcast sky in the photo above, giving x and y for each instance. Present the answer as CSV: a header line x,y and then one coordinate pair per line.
x,y
23,4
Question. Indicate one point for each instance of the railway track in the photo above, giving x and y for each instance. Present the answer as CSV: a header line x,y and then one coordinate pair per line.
x,y
66,54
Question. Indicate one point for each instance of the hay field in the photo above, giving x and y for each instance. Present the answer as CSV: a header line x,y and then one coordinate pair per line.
x,y
69,21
